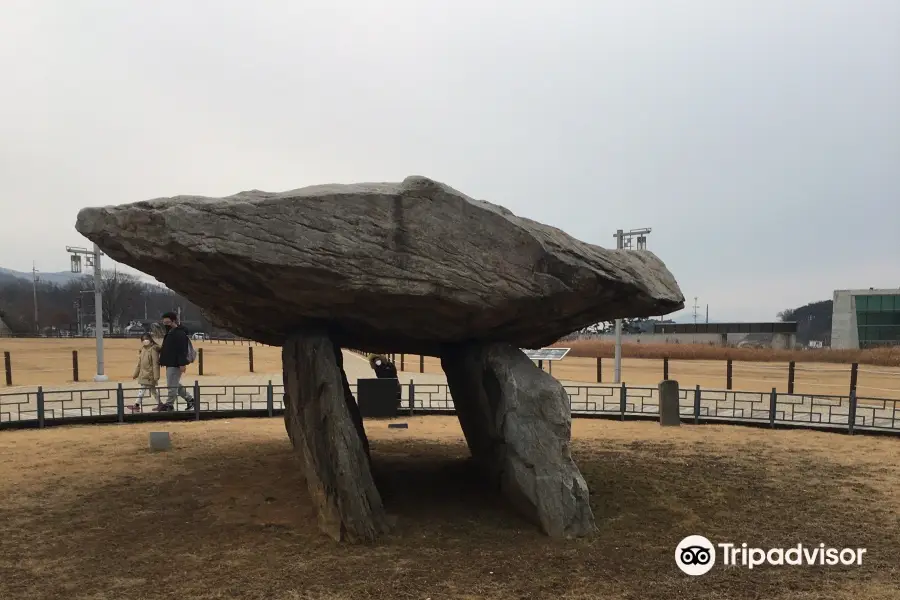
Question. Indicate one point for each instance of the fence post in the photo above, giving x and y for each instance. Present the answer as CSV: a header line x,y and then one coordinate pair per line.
x,y
665,369
623,401
270,399
791,367
7,365
773,406
200,361
402,362
697,398
599,370
851,416
728,372
196,400
120,403
250,354
40,406
421,363
412,396
854,376
74,365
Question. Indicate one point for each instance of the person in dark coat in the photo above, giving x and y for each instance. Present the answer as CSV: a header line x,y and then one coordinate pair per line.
x,y
174,357
384,368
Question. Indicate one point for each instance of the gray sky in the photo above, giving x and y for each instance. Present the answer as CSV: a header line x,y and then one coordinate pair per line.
x,y
760,139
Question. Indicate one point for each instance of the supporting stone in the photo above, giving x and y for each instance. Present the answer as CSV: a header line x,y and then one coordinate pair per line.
x,y
325,428
517,422
669,408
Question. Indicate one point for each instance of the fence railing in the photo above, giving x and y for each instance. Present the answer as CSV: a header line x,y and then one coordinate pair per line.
x,y
849,414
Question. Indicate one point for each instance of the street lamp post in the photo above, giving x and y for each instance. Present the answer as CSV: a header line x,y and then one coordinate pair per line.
x,y
623,242
92,258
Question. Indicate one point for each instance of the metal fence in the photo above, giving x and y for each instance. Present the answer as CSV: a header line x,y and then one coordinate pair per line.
x,y
848,414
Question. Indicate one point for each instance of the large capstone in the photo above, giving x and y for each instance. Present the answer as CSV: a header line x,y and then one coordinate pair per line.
x,y
401,267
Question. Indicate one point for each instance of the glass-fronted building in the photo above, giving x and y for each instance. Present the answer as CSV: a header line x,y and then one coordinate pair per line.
x,y
865,318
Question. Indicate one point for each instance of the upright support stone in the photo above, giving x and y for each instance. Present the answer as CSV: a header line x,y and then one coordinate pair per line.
x,y
669,409
325,428
517,422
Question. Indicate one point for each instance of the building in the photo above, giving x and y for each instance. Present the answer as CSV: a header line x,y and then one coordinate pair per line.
x,y
757,335
865,318
776,334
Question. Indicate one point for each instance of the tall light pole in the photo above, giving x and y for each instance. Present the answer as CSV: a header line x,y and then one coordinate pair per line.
x,y
623,242
34,282
93,260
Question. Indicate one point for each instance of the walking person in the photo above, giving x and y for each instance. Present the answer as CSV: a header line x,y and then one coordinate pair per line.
x,y
384,368
174,356
147,371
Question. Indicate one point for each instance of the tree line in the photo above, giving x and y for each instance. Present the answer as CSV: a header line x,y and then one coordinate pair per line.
x,y
70,307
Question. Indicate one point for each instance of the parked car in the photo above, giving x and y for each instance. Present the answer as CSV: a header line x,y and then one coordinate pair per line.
x,y
200,336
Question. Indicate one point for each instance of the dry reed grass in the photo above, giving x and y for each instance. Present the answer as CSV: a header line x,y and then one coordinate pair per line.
x,y
885,357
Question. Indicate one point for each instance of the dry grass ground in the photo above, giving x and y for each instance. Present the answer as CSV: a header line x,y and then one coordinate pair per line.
x,y
86,513
809,378
49,362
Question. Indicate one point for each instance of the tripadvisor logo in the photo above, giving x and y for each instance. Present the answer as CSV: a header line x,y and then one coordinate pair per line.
x,y
696,555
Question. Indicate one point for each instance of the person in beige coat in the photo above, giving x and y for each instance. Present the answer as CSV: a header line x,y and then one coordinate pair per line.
x,y
147,370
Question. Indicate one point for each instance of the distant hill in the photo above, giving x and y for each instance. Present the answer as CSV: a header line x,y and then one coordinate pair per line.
x,y
54,278
58,278
813,321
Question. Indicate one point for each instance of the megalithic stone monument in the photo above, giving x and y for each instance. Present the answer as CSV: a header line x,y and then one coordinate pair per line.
x,y
414,267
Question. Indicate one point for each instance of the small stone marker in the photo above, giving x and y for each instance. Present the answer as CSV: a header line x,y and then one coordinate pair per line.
x,y
398,425
160,441
668,404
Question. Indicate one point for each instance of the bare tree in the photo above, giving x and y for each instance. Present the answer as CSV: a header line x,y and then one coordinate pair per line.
x,y
121,296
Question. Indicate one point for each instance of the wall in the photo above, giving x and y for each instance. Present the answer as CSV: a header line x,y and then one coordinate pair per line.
x,y
843,321
777,340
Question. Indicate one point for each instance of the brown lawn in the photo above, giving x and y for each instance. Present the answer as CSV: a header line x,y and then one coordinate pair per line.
x,y
89,513
49,362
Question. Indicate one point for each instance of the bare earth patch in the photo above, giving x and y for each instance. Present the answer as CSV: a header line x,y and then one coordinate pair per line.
x,y
89,513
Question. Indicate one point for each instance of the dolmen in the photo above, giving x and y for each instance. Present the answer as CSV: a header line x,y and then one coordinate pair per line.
x,y
413,267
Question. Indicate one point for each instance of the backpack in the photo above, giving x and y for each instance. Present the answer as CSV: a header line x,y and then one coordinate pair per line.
x,y
191,353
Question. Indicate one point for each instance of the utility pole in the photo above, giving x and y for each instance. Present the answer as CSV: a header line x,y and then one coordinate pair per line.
x,y
623,242
34,282
707,314
92,258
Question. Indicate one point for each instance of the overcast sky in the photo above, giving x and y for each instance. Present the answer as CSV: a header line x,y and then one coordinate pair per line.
x,y
759,139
